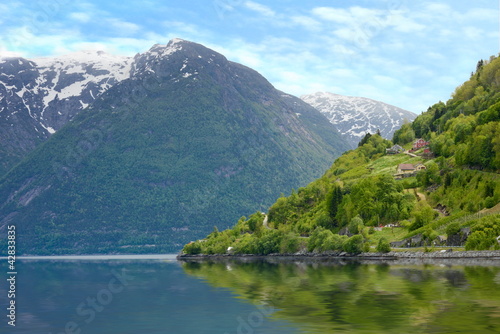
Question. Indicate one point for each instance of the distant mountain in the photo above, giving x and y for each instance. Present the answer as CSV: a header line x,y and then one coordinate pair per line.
x,y
37,97
355,116
186,141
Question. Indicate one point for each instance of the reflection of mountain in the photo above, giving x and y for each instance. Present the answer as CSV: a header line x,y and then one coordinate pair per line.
x,y
365,298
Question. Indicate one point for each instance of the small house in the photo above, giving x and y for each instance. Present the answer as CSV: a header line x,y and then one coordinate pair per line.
x,y
396,149
405,169
419,167
419,143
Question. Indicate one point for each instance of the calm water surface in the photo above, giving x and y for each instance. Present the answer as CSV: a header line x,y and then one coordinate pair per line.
x,y
159,295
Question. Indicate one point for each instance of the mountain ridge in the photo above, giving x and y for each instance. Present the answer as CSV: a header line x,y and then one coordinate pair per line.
x,y
357,116
37,97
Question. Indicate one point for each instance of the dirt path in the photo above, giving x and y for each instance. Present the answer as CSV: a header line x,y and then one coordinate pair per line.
x,y
265,222
420,195
411,154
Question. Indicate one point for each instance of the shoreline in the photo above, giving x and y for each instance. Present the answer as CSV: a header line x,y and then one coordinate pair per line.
x,y
335,256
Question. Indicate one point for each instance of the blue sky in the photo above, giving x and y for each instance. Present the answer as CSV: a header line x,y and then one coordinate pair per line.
x,y
408,53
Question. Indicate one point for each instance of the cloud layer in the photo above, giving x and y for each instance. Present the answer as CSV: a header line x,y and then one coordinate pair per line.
x,y
410,54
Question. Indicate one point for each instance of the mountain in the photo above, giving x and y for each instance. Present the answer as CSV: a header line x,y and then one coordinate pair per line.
x,y
449,197
188,142
37,97
356,116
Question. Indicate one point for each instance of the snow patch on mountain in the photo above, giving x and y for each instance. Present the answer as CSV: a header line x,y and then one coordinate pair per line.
x,y
356,116
74,72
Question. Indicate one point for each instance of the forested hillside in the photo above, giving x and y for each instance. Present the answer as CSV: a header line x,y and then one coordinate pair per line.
x,y
466,128
454,194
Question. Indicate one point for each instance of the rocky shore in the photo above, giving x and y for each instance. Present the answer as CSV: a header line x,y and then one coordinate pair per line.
x,y
445,256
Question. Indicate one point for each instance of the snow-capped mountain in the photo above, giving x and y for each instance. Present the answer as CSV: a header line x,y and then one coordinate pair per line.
x,y
39,96
53,90
355,116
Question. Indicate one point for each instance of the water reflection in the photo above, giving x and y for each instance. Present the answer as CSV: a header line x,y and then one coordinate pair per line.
x,y
126,297
366,298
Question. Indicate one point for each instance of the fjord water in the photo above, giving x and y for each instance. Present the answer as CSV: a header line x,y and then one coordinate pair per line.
x,y
115,295
159,295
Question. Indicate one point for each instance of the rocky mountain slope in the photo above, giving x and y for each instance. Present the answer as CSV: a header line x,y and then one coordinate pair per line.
x,y
37,97
356,116
189,141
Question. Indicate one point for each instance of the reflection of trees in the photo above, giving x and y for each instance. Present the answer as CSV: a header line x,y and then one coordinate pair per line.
x,y
456,278
358,297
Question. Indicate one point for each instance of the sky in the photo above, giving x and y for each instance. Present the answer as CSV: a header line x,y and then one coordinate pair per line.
x,y
408,53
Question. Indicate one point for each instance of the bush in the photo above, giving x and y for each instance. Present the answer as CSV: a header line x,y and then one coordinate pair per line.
x,y
290,243
255,222
245,245
383,246
317,239
192,248
452,229
333,243
415,225
489,202
268,243
424,214
429,234
356,225
479,240
354,244
405,223
484,234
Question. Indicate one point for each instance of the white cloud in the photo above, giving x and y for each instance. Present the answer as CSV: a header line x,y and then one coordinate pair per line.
x,y
307,22
350,16
472,32
482,14
189,30
333,14
80,17
8,54
404,24
123,27
259,8
439,9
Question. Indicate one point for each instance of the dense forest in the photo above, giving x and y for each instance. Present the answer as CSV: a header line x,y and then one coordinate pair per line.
x,y
456,193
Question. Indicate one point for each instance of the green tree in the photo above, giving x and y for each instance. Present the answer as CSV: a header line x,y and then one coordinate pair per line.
x,y
404,135
453,228
255,222
423,214
192,248
383,246
365,139
356,225
354,245
333,201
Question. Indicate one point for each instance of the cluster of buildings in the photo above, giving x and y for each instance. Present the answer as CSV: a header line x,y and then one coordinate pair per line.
x,y
407,170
